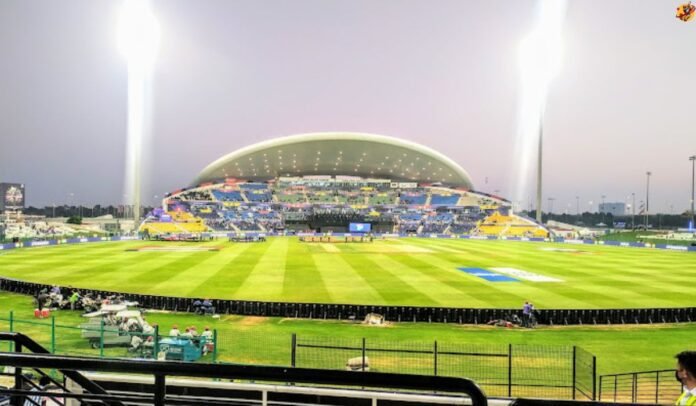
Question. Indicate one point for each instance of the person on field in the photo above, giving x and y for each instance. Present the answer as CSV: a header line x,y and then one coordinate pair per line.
x,y
197,307
526,314
686,375
41,300
208,307
73,299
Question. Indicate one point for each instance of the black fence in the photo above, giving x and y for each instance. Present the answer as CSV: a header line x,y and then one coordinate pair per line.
x,y
651,387
541,371
158,395
390,313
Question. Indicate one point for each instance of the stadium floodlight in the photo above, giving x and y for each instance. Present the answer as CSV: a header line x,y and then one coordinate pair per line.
x,y
138,34
647,198
692,158
138,41
540,61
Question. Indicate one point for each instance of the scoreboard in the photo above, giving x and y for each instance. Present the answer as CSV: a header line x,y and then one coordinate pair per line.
x,y
12,197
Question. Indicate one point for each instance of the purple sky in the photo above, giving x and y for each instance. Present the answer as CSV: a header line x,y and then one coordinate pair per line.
x,y
443,74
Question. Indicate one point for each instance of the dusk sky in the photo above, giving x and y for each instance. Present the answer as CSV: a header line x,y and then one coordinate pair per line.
x,y
440,73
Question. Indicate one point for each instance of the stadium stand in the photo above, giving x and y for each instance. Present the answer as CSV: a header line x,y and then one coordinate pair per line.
x,y
310,204
339,178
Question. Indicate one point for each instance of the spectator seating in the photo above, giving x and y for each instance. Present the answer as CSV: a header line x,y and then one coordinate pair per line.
x,y
444,199
228,195
413,198
255,206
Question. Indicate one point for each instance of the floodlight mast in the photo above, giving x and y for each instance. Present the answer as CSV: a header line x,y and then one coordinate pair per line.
x,y
693,171
647,198
138,41
540,59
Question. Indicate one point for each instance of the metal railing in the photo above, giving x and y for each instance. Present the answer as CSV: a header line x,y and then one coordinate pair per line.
x,y
540,371
160,370
652,387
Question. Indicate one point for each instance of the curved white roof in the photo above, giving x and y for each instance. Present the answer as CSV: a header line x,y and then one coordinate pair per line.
x,y
338,153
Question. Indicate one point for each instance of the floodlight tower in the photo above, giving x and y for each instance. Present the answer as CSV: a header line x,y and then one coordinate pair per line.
x,y
138,41
540,59
647,199
693,171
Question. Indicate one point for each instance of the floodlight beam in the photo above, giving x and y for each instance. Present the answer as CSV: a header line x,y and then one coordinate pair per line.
x,y
138,41
540,59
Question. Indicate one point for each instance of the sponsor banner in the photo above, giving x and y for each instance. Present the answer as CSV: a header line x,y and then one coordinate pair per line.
x,y
7,246
514,238
478,237
444,236
72,240
538,239
492,237
588,241
464,236
573,241
692,249
40,243
488,275
636,244
525,275
611,242
557,239
672,247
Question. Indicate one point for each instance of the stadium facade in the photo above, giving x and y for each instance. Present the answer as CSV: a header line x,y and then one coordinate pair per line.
x,y
326,182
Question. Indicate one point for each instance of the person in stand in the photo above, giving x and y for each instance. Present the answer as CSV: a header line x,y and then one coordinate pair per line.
x,y
187,333
686,375
174,332
207,339
38,400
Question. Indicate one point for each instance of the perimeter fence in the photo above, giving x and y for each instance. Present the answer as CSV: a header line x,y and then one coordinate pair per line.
x,y
104,340
504,370
648,387
513,370
323,311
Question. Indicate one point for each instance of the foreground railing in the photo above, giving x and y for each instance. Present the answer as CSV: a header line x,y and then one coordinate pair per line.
x,y
160,370
652,387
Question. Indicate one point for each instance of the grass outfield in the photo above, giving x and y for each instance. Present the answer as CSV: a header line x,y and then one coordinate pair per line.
x,y
395,272
267,340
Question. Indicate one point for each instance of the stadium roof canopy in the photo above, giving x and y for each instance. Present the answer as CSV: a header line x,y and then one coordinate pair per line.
x,y
338,153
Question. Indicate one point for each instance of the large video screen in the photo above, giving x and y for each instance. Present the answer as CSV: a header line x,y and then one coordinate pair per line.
x,y
360,227
11,196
